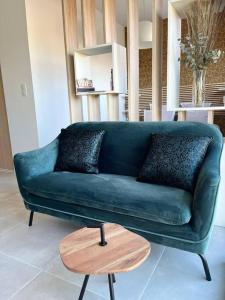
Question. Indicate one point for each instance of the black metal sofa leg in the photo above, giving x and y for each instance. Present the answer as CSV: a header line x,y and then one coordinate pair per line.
x,y
206,267
31,218
114,278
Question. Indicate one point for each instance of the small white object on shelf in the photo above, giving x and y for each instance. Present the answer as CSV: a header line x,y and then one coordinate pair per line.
x,y
105,65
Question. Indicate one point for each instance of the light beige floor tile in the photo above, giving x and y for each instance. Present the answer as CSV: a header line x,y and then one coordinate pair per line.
x,y
48,287
12,220
12,212
6,224
38,244
180,275
6,195
13,276
8,182
10,206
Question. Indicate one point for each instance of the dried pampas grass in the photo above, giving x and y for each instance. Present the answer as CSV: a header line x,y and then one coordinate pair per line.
x,y
205,16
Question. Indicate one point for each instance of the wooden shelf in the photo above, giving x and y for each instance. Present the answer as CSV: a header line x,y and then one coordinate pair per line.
x,y
96,63
97,93
97,50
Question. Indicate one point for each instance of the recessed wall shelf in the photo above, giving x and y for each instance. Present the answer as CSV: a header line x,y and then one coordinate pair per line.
x,y
105,65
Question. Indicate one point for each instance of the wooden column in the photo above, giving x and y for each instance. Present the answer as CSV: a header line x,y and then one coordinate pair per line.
x,y
211,117
93,108
156,62
90,39
113,107
110,21
133,60
110,33
89,23
182,115
5,145
71,44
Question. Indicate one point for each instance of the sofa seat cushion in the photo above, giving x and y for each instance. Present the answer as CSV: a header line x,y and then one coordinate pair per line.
x,y
115,193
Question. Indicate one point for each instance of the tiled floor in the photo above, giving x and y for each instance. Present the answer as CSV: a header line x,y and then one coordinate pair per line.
x,y
30,267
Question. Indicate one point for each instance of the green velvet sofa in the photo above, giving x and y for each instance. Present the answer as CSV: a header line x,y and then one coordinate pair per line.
x,y
163,214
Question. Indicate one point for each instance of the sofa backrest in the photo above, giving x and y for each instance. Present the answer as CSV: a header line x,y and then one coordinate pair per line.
x,y
125,144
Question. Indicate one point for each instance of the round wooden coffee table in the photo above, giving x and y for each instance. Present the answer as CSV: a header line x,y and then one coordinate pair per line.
x,y
111,250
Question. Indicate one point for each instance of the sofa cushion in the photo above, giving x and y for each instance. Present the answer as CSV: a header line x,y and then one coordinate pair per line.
x,y
116,193
174,160
79,150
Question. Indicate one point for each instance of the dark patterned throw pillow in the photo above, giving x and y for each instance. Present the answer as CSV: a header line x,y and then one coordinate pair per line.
x,y
79,150
174,160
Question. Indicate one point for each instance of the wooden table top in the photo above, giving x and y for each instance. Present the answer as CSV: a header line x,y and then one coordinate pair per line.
x,y
80,251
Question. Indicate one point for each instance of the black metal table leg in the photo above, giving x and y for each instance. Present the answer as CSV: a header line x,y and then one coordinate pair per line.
x,y
83,287
114,278
31,218
111,289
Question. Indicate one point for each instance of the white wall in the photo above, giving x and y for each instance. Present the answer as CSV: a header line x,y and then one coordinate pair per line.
x,y
48,65
15,65
220,215
32,53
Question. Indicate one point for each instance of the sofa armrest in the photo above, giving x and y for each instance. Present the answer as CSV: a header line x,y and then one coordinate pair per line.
x,y
205,196
34,163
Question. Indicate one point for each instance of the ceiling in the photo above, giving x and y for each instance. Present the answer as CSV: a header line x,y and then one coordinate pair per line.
x,y
145,10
